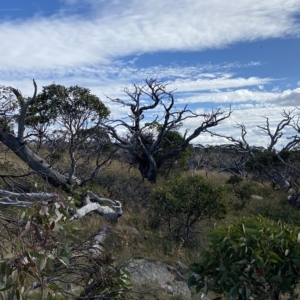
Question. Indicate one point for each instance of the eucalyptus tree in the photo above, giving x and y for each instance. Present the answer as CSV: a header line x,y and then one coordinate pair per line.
x,y
277,163
34,251
69,117
150,104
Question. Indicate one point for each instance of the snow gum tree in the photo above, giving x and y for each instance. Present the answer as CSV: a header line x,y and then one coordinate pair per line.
x,y
151,104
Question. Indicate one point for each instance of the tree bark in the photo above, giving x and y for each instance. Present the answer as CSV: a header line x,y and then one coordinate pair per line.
x,y
34,161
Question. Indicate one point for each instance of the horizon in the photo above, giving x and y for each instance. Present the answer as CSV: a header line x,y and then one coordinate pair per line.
x,y
212,55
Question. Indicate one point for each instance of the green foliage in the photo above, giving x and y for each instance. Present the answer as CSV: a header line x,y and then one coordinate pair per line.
x,y
279,211
39,249
182,202
58,102
254,257
243,193
34,251
66,122
265,159
234,180
171,141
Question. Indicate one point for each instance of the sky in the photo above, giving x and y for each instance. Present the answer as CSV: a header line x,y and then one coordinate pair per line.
x,y
213,54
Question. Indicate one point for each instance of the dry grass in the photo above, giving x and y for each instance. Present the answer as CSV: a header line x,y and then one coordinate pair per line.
x,y
118,181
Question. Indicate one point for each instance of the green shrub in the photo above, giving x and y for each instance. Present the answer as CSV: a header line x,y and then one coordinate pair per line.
x,y
281,211
243,193
182,202
254,257
40,249
234,180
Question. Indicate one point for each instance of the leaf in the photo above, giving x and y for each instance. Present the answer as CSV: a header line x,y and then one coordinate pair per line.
x,y
65,261
49,296
54,287
9,255
274,255
243,261
262,279
18,247
296,262
43,263
199,287
51,264
19,294
234,291
11,296
246,292
9,283
192,281
275,279
37,254
7,287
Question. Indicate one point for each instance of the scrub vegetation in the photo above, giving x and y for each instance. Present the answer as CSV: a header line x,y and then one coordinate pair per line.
x,y
80,199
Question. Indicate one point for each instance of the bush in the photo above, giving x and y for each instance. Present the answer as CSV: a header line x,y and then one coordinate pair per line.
x,y
40,248
279,211
254,257
241,191
182,202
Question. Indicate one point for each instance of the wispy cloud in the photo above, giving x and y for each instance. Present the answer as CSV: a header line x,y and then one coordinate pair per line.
x,y
111,78
90,50
239,95
116,29
224,82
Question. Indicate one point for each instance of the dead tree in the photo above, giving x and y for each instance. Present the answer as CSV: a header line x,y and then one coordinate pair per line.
x,y
267,163
83,263
235,155
151,105
88,110
276,135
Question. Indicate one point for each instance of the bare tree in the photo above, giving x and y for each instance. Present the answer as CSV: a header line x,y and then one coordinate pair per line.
x,y
234,156
274,136
266,163
79,116
152,104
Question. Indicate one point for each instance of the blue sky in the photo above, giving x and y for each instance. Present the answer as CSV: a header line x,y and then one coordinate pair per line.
x,y
214,53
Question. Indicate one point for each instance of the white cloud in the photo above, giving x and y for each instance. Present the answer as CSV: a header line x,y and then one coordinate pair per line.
x,y
288,98
250,117
225,81
116,29
239,95
110,79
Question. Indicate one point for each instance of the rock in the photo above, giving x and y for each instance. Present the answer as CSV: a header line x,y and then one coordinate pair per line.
x,y
256,197
156,274
129,229
294,200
